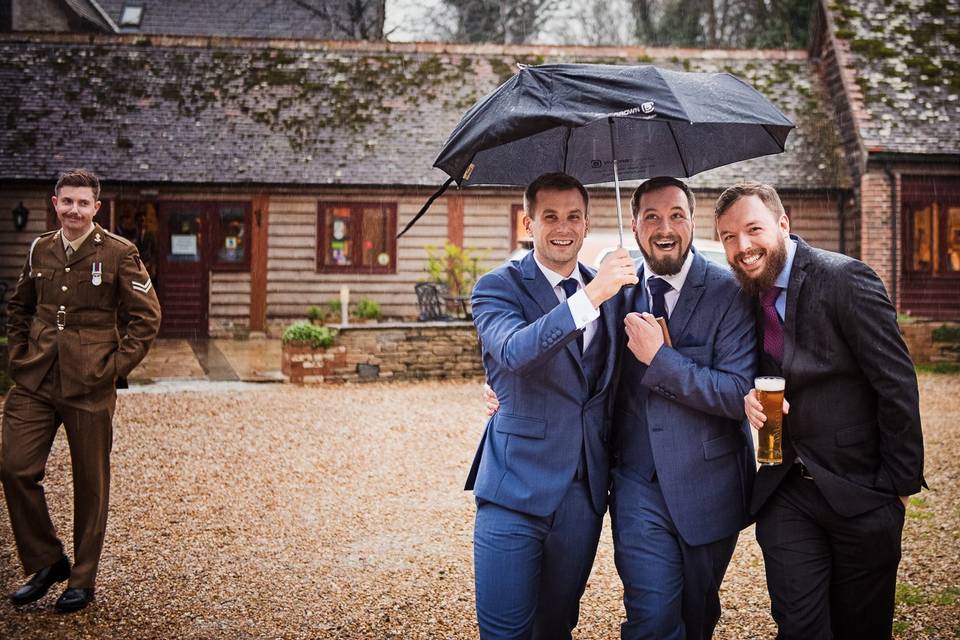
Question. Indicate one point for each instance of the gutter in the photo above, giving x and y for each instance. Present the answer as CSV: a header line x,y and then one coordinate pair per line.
x,y
841,221
894,267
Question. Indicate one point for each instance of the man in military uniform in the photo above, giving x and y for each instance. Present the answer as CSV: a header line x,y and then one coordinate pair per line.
x,y
84,312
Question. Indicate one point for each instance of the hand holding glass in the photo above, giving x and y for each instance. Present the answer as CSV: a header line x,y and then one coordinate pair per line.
x,y
770,393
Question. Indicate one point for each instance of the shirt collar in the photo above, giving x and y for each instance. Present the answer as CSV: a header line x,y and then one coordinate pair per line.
x,y
784,278
79,241
555,278
676,280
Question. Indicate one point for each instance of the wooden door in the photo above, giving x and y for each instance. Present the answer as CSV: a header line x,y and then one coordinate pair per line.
x,y
183,271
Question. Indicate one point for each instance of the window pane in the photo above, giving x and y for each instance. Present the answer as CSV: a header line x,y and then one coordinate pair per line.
x,y
953,240
185,236
375,242
232,236
922,241
340,234
519,231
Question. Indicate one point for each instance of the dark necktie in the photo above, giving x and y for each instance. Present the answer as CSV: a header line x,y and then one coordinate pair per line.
x,y
658,291
69,252
570,286
772,325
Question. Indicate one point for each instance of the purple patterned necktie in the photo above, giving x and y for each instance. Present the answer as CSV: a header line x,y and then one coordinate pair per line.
x,y
772,325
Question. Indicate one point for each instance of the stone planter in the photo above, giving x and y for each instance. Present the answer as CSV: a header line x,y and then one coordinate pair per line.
x,y
303,364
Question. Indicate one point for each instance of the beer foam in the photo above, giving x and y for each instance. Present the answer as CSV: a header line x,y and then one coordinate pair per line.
x,y
769,383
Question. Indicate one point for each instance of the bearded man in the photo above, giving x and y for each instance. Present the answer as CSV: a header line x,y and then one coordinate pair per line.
x,y
830,517
683,461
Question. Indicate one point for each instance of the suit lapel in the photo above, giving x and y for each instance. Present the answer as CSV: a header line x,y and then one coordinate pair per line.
x,y
537,285
797,275
635,297
541,291
690,294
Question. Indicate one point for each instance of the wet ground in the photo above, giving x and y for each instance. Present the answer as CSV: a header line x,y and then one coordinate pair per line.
x,y
253,360
243,510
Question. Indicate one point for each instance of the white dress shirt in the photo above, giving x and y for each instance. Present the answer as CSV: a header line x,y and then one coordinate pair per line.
x,y
676,281
584,314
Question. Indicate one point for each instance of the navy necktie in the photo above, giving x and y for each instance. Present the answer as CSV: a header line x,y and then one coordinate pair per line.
x,y
772,325
570,286
658,291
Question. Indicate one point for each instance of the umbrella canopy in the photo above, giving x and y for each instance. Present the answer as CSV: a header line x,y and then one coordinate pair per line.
x,y
603,123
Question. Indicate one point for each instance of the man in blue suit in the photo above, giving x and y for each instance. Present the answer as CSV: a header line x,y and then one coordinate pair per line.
x,y
684,465
540,475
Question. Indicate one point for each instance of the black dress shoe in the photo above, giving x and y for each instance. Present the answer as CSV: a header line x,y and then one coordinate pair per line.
x,y
74,599
41,582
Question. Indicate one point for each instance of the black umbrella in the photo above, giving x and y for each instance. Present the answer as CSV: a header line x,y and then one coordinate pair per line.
x,y
605,123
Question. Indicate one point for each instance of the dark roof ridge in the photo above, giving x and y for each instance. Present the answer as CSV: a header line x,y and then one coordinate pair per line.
x,y
366,46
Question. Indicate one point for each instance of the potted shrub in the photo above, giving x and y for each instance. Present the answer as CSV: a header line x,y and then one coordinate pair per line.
x,y
367,310
309,353
457,269
316,315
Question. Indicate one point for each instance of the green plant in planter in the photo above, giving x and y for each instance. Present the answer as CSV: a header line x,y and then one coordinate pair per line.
x,y
945,333
316,314
456,267
367,309
333,310
318,336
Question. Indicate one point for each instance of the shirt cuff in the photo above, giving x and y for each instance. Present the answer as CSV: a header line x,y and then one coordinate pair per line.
x,y
582,309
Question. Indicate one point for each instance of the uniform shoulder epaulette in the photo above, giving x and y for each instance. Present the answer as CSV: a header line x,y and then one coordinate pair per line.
x,y
48,233
118,238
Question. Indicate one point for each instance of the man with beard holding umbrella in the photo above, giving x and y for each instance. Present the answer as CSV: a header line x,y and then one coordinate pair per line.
x,y
830,517
683,464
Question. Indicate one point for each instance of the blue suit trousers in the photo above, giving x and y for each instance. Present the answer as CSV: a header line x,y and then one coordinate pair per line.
x,y
531,571
670,588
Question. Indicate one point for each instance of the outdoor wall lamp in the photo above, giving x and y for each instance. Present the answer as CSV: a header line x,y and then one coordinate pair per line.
x,y
20,215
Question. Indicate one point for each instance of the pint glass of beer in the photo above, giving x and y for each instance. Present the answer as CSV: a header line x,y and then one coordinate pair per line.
x,y
770,393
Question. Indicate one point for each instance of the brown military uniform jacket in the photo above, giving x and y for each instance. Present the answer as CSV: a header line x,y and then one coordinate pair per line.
x,y
94,315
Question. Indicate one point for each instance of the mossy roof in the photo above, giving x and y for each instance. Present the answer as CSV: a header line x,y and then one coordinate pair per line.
x,y
228,112
241,18
905,56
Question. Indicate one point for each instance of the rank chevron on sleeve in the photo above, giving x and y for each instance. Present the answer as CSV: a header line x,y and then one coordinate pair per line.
x,y
142,287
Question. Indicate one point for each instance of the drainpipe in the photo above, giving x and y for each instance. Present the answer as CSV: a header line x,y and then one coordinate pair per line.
x,y
841,220
893,233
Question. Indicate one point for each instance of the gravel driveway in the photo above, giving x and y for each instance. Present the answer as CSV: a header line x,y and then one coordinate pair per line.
x,y
275,511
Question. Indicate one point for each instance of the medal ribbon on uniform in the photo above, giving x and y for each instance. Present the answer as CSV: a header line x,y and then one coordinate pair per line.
x,y
97,275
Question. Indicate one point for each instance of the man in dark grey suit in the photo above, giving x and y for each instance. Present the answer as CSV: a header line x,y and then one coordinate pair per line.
x,y
830,518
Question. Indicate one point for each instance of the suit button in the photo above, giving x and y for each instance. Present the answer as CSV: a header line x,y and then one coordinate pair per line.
x,y
62,308
67,269
63,288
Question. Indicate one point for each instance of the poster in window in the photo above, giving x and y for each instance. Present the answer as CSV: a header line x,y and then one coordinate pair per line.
x,y
183,244
232,230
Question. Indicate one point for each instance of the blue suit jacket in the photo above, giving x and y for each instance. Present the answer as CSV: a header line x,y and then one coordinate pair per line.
x,y
682,417
530,449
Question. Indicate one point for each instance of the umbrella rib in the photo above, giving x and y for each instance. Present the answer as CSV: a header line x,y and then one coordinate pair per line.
x,y
777,142
686,171
566,149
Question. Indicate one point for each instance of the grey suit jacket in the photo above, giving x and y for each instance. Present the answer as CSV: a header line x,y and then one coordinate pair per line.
x,y
854,406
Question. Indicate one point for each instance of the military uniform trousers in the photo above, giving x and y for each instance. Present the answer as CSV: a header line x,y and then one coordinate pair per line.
x,y
30,424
